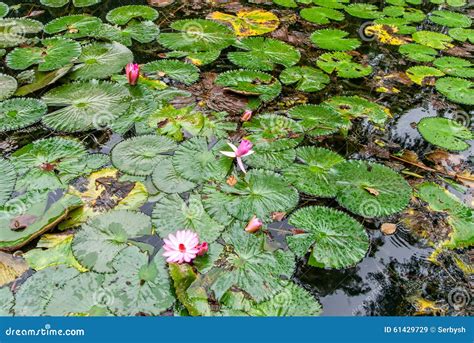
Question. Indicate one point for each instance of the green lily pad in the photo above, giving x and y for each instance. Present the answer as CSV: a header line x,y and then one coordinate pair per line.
x,y
370,189
139,285
101,60
102,238
456,89
418,74
318,120
20,112
15,31
250,82
364,11
197,35
28,216
267,158
432,39
85,105
140,155
445,133
7,180
122,15
307,79
263,53
335,239
77,3
333,39
450,19
462,35
197,160
167,180
172,213
314,172
321,15
173,69
418,52
55,53
6,301
455,66
4,9
73,26
357,107
8,86
342,64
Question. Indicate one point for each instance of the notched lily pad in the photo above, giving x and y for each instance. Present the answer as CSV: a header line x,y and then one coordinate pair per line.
x,y
445,133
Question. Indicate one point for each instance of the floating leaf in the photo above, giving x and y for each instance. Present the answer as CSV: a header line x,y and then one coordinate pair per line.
x,y
462,35
263,53
267,158
101,192
321,15
197,35
418,74
174,69
172,213
85,105
314,172
342,64
333,39
418,53
6,301
364,11
456,89
77,3
11,267
4,9
21,112
357,107
259,193
385,34
56,53
434,40
455,66
249,22
335,239
15,31
307,79
317,120
43,214
8,86
198,160
167,180
140,155
139,285
122,15
7,180
104,236
450,19
445,133
370,189
73,26
101,60
249,82
42,80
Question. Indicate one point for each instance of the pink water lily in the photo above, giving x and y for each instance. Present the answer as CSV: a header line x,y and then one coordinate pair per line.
x,y
181,247
254,225
203,248
244,149
132,70
246,116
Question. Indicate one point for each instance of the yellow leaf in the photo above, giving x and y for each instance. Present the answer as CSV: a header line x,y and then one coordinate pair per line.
x,y
386,34
249,23
11,267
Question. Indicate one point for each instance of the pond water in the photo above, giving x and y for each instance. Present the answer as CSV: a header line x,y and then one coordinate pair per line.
x,y
396,272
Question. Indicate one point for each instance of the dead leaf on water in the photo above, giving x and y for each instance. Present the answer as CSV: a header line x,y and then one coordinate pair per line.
x,y
249,22
11,268
388,228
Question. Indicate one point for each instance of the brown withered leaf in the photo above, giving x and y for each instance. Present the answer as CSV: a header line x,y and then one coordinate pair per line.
x,y
372,191
461,51
297,231
11,267
231,180
388,228
278,216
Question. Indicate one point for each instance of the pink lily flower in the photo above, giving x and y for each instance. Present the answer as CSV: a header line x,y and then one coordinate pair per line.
x,y
132,70
254,225
246,116
244,149
203,248
181,247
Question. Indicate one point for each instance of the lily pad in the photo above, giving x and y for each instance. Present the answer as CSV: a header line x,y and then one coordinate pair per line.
x,y
357,107
173,69
4,9
8,86
342,64
103,237
140,285
263,53
418,74
455,66
462,35
28,216
432,39
73,26
445,133
314,172
456,89
167,180
172,213
11,268
101,60
7,180
249,22
197,35
307,79
364,11
249,82
370,189
450,19
21,112
333,39
85,105
55,53
6,301
321,15
140,155
77,3
122,15
15,31
318,120
335,239
418,52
